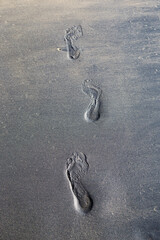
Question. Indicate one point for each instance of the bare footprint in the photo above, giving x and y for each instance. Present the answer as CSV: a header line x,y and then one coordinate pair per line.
x,y
76,167
93,110
72,34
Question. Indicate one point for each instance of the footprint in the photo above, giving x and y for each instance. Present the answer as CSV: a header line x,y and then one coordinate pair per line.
x,y
93,110
72,34
76,167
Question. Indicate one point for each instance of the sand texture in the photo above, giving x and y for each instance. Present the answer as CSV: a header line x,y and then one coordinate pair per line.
x,y
43,105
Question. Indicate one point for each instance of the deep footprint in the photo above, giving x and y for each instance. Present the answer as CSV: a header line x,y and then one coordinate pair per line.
x,y
76,167
72,34
92,112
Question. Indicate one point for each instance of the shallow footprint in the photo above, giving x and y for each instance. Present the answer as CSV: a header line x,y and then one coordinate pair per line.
x,y
72,34
93,110
90,89
76,167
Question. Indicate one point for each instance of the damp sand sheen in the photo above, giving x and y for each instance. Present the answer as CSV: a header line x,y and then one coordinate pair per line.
x,y
92,112
76,167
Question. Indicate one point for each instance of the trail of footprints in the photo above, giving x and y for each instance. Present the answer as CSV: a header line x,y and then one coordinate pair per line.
x,y
77,165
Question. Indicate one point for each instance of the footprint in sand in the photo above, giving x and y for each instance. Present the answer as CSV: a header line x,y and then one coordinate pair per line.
x,y
92,112
72,34
76,168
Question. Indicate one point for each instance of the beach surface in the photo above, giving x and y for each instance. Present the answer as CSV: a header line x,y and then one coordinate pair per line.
x,y
42,107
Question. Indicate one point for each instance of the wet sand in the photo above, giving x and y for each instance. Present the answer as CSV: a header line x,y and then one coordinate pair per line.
x,y
42,119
